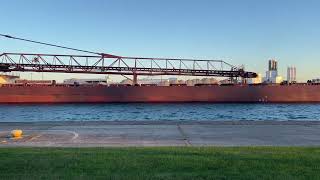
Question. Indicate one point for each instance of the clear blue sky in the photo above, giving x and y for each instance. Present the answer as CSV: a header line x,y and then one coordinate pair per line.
x,y
240,31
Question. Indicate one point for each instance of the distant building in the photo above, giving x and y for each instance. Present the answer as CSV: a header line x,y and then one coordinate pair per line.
x,y
291,74
272,73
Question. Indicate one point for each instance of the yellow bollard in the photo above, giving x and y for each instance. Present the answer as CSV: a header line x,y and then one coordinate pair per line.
x,y
17,133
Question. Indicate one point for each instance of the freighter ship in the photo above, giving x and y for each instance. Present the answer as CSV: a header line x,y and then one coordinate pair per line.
x,y
271,90
50,92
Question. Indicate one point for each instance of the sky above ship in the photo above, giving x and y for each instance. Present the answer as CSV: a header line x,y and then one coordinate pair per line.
x,y
248,32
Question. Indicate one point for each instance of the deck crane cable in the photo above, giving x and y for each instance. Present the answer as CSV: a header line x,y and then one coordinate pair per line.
x,y
53,45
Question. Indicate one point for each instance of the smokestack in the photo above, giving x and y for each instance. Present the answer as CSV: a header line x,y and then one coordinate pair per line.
x,y
273,65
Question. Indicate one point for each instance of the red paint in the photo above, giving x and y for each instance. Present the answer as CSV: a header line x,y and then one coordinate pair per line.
x,y
103,94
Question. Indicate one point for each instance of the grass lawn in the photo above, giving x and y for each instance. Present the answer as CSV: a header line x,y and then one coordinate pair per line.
x,y
161,163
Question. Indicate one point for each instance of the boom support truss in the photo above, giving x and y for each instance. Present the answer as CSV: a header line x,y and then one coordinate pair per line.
x,y
110,64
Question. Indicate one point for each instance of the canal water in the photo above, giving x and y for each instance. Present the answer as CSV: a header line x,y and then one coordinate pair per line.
x,y
156,112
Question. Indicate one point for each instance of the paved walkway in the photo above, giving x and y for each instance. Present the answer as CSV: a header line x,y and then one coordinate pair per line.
x,y
129,133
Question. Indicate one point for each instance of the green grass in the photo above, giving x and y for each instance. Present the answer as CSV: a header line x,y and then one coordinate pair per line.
x,y
161,163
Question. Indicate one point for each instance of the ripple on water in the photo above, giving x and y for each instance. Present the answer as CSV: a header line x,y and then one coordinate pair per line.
x,y
154,112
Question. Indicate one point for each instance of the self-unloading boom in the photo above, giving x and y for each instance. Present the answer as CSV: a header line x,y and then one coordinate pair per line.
x,y
103,63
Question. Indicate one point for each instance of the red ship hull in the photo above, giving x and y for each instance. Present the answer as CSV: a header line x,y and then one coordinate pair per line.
x,y
105,94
